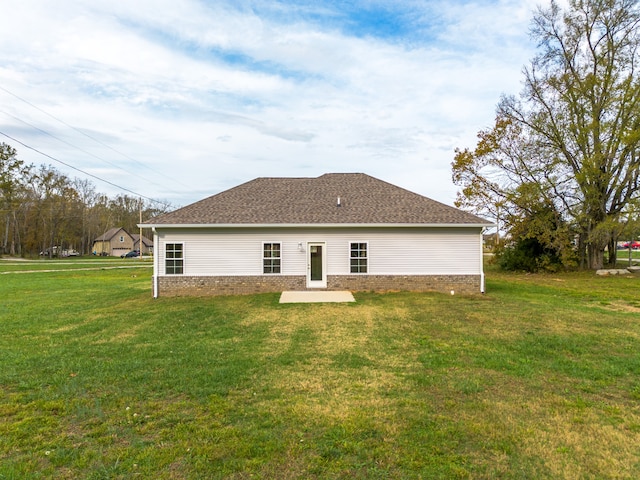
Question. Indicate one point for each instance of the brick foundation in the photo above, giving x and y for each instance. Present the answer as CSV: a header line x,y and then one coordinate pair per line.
x,y
180,285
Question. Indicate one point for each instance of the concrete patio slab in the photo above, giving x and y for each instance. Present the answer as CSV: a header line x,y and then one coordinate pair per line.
x,y
316,297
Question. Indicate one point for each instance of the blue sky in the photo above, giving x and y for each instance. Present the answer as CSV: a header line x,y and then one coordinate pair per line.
x,y
180,99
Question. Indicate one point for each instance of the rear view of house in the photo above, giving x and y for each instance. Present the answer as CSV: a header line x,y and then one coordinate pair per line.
x,y
336,232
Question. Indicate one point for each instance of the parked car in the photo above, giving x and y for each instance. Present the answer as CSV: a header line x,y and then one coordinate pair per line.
x,y
635,245
133,253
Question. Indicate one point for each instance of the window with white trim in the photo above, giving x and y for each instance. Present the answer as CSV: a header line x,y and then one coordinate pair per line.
x,y
174,259
358,257
271,257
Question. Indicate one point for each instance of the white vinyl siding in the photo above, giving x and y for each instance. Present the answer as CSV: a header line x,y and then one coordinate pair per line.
x,y
390,251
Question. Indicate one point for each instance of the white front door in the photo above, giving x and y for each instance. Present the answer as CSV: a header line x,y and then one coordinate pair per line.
x,y
316,265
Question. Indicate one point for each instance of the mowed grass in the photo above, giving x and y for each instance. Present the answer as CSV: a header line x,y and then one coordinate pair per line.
x,y
70,263
539,378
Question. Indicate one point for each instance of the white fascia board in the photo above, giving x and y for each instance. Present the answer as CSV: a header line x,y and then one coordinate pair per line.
x,y
319,225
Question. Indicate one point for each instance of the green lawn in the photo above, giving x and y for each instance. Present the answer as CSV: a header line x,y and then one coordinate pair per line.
x,y
622,257
539,378
70,263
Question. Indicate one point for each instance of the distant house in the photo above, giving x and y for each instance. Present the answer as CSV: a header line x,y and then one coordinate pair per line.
x,y
335,232
147,245
117,241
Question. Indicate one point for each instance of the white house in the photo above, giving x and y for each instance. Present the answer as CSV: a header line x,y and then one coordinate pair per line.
x,y
340,231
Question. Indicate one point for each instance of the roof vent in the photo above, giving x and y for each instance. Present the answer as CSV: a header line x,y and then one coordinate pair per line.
x,y
338,202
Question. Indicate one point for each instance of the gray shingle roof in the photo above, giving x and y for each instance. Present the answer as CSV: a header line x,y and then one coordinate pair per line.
x,y
109,234
145,240
306,201
112,232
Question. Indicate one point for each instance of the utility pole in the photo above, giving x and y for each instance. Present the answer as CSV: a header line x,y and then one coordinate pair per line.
x,y
140,239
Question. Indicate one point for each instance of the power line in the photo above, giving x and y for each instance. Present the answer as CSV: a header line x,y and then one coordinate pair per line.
x,y
173,180
80,170
80,149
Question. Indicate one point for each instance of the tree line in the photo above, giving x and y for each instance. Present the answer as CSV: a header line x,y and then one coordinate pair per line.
x,y
40,208
560,169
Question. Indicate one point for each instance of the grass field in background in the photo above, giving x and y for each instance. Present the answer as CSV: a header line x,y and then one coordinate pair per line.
x,y
70,263
622,257
539,378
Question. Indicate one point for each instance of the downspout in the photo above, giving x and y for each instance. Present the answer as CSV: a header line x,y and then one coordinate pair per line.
x,y
156,269
482,286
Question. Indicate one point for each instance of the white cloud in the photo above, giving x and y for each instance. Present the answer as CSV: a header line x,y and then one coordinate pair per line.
x,y
202,96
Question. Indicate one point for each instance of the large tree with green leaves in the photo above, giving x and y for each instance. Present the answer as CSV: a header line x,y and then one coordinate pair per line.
x,y
572,137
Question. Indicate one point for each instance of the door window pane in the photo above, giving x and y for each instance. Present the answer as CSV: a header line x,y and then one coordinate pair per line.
x,y
316,262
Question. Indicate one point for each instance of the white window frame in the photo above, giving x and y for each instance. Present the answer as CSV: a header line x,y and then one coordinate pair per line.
x,y
271,258
166,257
366,257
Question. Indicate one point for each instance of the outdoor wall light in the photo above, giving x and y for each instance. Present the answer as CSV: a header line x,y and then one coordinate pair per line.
x,y
300,246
